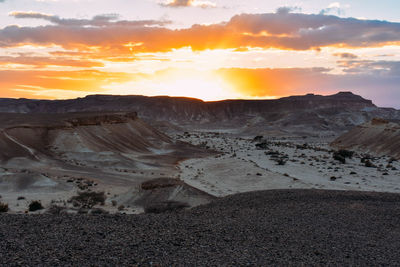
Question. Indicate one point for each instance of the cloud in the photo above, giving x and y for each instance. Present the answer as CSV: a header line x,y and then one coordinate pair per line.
x,y
188,3
97,21
334,7
287,9
282,30
378,67
48,61
346,55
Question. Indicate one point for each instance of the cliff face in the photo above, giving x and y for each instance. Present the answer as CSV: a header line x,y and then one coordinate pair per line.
x,y
334,113
184,108
378,137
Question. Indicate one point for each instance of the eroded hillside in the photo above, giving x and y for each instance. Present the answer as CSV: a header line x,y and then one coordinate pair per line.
x,y
51,157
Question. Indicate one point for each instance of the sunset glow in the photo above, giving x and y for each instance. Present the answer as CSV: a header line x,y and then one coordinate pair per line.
x,y
205,86
210,50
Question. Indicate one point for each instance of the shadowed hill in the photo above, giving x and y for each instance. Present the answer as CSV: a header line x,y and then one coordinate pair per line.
x,y
295,114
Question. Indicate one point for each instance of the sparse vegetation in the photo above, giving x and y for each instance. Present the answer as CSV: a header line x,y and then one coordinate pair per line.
x,y
369,164
56,210
35,205
263,145
98,211
281,161
258,138
88,199
3,207
342,154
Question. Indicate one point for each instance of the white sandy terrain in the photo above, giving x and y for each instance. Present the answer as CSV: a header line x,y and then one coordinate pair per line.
x,y
242,167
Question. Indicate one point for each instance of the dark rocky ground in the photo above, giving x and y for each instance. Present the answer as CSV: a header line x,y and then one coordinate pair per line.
x,y
280,227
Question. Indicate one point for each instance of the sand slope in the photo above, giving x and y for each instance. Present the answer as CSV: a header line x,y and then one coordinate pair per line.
x,y
378,137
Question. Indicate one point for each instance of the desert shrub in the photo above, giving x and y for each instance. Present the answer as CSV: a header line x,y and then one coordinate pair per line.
x,y
88,199
365,158
165,206
35,205
83,211
369,164
303,146
258,138
98,211
114,203
56,210
121,207
263,145
339,158
342,154
281,161
272,153
3,207
346,153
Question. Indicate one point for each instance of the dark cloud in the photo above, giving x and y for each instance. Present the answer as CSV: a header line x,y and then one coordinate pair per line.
x,y
287,9
281,30
97,21
346,55
378,67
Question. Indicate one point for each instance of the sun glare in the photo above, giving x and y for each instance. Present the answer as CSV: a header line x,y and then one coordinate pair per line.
x,y
197,87
204,86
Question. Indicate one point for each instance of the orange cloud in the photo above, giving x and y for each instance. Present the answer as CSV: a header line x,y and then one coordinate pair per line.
x,y
282,30
48,61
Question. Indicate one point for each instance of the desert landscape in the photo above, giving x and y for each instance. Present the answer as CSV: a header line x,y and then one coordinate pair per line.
x,y
191,172
199,133
191,160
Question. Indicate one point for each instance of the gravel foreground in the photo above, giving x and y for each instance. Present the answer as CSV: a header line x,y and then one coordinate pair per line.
x,y
279,227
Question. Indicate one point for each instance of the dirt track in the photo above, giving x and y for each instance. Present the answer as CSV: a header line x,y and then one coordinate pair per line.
x,y
263,228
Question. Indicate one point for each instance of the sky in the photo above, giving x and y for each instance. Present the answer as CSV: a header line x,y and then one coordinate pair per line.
x,y
207,49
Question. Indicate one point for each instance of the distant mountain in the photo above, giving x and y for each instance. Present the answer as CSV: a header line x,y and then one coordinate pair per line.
x,y
292,115
378,137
